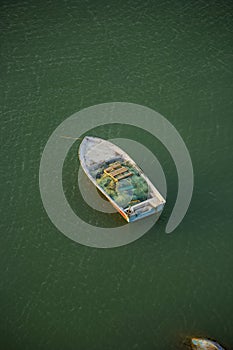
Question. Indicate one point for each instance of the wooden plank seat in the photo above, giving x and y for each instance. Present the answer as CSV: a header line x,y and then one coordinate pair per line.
x,y
124,176
118,171
112,167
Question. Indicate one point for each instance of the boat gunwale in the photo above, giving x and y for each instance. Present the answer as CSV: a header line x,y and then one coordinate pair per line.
x,y
156,193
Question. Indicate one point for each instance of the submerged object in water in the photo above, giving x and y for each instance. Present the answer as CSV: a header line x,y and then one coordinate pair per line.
x,y
119,178
205,344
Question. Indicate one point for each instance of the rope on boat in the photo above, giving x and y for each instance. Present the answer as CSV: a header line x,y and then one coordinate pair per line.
x,y
70,137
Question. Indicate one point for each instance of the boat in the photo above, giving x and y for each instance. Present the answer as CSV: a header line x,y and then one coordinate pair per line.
x,y
205,344
119,179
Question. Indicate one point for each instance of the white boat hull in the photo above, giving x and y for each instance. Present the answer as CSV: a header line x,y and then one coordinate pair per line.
x,y
119,179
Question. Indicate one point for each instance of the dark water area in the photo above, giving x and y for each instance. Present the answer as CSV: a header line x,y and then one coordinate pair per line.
x,y
58,58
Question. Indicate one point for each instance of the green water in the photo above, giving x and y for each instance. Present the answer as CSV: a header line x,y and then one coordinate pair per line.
x,y
58,58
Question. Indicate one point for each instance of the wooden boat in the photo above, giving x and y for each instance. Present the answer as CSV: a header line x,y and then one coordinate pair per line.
x,y
119,178
205,344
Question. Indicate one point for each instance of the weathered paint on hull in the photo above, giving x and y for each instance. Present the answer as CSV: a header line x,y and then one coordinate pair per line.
x,y
91,158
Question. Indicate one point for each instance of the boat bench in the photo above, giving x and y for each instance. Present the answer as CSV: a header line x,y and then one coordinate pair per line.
x,y
118,171
113,166
124,176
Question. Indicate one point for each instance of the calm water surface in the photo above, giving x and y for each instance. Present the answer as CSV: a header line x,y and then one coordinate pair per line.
x,y
58,58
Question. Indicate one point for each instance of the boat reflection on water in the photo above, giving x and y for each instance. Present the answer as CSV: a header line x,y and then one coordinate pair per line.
x,y
205,344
